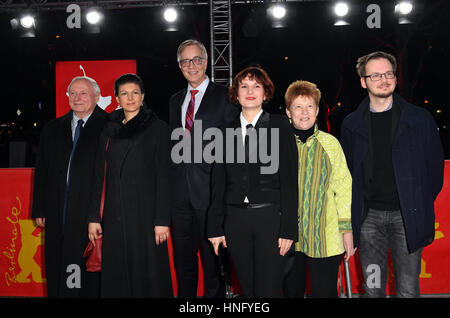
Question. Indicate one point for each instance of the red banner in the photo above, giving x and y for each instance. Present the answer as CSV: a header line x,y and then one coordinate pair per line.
x,y
22,257
103,72
435,274
21,242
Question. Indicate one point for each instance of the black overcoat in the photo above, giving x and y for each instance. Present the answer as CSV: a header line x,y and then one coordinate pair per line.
x,y
63,248
137,198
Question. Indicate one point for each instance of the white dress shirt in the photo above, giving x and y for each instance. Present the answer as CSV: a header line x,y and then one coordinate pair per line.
x,y
244,124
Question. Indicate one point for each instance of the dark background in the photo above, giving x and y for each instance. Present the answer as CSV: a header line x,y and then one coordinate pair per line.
x,y
308,48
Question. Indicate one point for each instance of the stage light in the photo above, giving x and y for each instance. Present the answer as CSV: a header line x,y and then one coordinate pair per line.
x,y
341,9
278,11
94,16
24,26
27,21
404,7
404,10
170,15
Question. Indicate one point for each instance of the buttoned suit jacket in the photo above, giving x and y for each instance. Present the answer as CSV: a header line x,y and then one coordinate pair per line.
x,y
214,111
233,181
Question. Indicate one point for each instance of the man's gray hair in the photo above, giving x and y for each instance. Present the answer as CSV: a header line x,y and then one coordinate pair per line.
x,y
190,42
91,80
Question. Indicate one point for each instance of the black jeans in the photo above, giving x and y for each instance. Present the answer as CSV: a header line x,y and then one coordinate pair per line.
x,y
380,231
323,273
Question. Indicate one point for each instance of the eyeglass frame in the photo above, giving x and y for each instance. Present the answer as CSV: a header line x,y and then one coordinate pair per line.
x,y
188,61
381,76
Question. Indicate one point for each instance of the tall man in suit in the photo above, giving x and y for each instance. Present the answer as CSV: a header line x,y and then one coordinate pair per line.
x,y
62,188
208,104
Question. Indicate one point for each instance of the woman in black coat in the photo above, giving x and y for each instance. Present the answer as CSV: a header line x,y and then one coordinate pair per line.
x,y
254,210
135,224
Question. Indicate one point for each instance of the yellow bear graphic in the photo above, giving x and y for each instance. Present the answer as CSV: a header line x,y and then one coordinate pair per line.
x,y
26,261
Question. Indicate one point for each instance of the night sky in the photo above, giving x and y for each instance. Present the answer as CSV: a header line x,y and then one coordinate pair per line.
x,y
309,48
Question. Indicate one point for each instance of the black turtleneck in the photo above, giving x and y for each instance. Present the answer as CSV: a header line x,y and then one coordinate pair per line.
x,y
303,135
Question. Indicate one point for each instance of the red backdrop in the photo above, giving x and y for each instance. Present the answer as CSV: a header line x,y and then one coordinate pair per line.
x,y
21,243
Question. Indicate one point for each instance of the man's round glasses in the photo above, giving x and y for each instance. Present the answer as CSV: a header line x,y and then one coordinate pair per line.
x,y
196,60
377,76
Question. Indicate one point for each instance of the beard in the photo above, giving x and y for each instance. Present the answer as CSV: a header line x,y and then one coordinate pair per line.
x,y
381,93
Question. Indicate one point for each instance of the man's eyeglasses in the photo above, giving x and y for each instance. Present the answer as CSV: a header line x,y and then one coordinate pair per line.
x,y
196,60
377,76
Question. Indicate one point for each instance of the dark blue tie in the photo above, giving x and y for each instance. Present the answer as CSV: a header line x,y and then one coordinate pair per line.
x,y
75,140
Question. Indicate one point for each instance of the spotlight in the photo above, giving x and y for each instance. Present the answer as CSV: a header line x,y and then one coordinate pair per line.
x,y
24,26
278,14
341,9
278,11
404,7
170,15
27,21
94,16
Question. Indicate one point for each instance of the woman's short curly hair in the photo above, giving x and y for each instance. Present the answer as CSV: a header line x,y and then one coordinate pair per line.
x,y
254,73
302,88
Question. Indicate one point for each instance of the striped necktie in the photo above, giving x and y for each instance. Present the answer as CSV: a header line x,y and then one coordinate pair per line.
x,y
190,111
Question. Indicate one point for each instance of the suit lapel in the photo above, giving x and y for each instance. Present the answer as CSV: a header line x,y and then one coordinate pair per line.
x,y
178,108
263,122
204,108
67,135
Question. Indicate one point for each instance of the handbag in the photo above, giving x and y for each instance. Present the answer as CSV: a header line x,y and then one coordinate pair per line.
x,y
94,253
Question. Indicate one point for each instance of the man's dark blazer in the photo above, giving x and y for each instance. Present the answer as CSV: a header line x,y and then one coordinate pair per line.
x,y
63,248
232,182
214,111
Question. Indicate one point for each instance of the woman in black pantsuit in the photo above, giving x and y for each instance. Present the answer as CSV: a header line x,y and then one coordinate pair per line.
x,y
254,209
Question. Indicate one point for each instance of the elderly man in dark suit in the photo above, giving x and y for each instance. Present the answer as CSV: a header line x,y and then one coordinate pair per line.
x,y
62,188
206,103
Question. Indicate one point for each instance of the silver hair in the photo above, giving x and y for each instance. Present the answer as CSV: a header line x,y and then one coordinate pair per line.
x,y
190,42
91,80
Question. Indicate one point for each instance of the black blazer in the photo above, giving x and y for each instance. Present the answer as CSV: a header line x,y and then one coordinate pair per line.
x,y
233,181
214,111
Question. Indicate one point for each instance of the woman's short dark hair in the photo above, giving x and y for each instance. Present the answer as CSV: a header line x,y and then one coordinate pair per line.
x,y
254,73
128,78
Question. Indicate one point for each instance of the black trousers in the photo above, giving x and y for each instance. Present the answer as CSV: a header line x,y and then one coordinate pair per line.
x,y
252,240
323,273
189,237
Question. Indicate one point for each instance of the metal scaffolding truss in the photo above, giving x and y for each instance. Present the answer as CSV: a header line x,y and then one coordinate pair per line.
x,y
49,5
221,38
